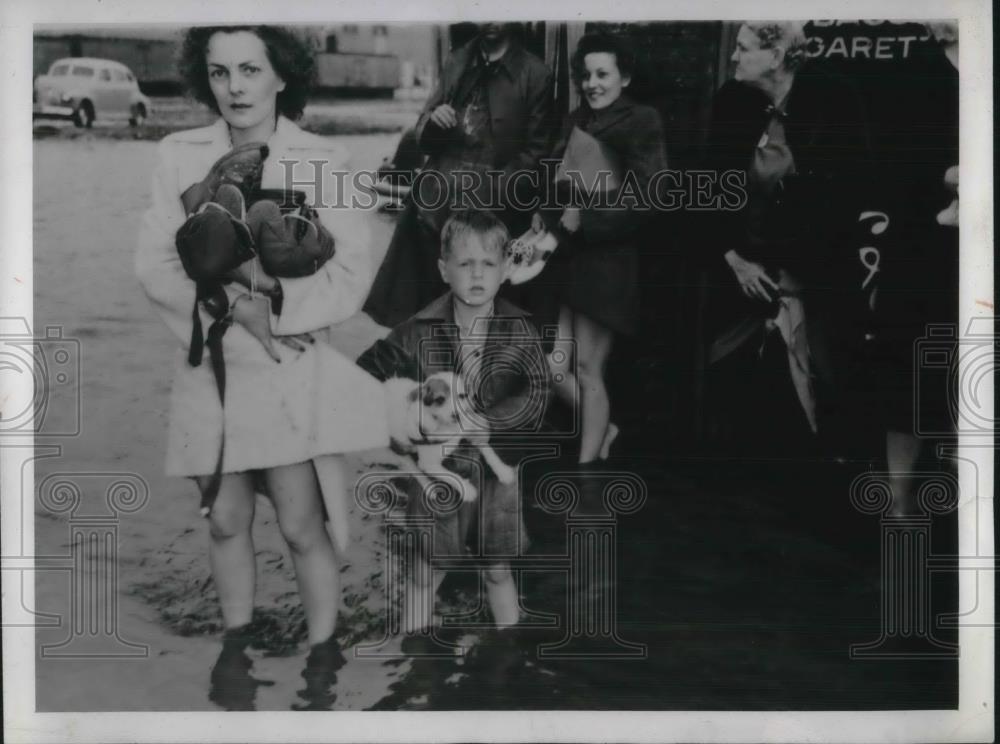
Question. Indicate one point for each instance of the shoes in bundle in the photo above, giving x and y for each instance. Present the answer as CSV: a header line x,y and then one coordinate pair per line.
x,y
289,245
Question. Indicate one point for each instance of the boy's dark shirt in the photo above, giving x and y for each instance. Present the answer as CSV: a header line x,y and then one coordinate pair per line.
x,y
513,388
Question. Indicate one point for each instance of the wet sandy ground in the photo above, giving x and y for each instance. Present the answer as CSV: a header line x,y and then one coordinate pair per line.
x,y
747,588
89,195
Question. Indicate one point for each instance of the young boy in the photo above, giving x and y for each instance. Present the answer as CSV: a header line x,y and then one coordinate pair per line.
x,y
493,346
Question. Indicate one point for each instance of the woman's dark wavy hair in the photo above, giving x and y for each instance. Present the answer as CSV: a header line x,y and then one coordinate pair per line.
x,y
602,42
290,56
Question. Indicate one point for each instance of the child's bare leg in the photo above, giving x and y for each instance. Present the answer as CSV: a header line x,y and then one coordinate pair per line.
x,y
418,596
502,595
230,550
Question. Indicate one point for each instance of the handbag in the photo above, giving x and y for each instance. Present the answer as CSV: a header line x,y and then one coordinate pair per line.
x,y
599,167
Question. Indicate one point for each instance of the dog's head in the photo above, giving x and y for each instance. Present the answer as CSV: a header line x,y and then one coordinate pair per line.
x,y
439,399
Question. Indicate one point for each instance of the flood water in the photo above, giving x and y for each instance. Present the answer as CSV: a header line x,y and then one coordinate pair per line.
x,y
732,586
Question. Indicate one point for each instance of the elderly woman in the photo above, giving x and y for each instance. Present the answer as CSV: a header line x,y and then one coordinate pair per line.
x,y
780,261
292,404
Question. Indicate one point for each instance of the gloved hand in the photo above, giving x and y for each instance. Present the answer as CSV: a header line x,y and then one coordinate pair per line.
x,y
216,239
289,245
241,167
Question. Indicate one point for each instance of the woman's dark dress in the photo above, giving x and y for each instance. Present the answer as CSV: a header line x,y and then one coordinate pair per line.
x,y
596,273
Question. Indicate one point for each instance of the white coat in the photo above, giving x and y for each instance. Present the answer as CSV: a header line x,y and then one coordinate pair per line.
x,y
312,403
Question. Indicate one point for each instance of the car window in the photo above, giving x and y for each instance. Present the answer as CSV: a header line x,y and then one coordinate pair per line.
x,y
59,70
83,71
106,76
129,76
119,76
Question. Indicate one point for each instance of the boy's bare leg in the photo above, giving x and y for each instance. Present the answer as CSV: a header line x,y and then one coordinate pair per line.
x,y
502,595
418,596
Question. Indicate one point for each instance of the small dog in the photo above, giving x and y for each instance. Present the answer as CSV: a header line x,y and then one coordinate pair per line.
x,y
425,420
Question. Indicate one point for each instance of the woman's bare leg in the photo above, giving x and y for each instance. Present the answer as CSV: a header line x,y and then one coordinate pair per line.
x,y
593,347
230,548
295,492
560,360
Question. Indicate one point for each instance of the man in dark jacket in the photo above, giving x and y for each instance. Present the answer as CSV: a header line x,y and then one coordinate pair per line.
x,y
490,112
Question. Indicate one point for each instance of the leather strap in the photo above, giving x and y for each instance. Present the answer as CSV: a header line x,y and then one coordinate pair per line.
x,y
218,305
215,333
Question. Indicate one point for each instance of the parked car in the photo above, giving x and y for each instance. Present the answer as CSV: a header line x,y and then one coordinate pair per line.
x,y
86,88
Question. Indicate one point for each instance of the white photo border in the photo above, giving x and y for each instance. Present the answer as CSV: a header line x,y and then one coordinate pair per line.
x,y
972,721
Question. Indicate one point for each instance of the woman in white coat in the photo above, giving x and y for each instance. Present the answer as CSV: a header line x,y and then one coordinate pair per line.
x,y
292,403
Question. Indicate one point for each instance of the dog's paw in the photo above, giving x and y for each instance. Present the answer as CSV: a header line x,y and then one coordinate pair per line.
x,y
506,475
469,493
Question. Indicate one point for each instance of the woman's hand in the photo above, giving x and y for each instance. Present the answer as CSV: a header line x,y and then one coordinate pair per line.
x,y
753,280
444,116
570,219
254,314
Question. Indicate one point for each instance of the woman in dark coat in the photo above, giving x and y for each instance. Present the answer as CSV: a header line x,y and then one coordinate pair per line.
x,y
780,301
595,273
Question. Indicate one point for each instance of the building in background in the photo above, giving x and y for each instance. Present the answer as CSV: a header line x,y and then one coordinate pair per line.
x,y
415,46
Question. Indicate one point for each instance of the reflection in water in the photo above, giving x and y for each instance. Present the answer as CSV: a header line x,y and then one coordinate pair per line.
x,y
232,686
320,675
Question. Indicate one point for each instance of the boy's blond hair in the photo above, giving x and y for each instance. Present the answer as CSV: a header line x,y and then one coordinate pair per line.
x,y
486,225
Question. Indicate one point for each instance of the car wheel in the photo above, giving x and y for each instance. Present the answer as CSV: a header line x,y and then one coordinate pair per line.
x,y
84,116
138,116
